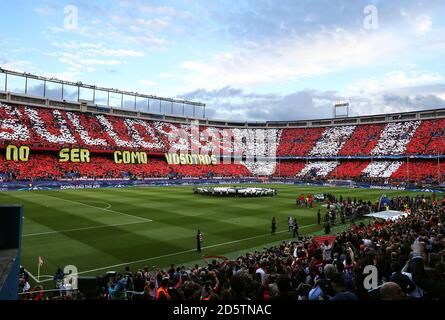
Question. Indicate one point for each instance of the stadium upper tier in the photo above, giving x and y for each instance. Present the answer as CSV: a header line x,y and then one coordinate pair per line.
x,y
52,129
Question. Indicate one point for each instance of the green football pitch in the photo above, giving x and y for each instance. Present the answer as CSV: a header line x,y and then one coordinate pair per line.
x,y
99,230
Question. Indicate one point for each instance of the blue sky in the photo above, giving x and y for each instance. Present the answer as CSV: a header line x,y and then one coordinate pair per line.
x,y
248,59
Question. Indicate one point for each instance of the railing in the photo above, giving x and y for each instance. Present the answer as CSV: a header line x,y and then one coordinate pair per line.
x,y
91,94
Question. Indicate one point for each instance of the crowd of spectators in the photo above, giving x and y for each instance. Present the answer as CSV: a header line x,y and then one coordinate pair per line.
x,y
395,137
52,128
381,169
428,139
332,141
298,142
318,168
289,168
349,170
46,166
363,140
420,170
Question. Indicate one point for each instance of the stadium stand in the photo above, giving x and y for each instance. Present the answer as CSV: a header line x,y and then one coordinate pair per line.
x,y
332,141
349,169
48,167
362,141
298,142
381,169
419,170
318,168
289,168
378,150
428,139
395,137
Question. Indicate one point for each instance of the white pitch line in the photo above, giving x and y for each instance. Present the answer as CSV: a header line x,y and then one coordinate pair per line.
x,y
107,207
104,209
79,229
186,251
30,274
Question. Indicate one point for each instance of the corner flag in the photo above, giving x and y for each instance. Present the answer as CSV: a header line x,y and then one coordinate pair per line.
x,y
41,262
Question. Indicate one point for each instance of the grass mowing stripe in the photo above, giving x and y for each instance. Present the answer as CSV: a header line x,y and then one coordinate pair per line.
x,y
181,252
87,205
86,228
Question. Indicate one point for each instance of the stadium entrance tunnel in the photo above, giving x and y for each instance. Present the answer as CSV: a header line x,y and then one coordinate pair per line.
x,y
235,191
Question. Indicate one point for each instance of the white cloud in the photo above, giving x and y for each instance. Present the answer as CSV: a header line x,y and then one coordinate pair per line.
x,y
84,55
147,83
291,59
74,45
70,62
117,53
165,75
97,50
234,104
15,64
156,24
309,18
116,34
45,11
161,10
100,62
422,25
165,10
146,39
396,91
392,81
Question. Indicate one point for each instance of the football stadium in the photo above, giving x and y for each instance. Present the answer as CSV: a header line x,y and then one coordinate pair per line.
x,y
111,194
